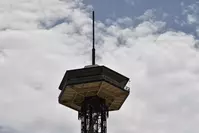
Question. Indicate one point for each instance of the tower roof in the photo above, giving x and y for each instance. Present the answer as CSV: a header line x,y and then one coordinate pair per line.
x,y
88,74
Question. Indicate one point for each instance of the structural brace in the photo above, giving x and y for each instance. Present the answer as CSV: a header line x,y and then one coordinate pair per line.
x,y
93,115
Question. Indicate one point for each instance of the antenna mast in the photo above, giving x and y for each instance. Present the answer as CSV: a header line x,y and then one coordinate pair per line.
x,y
93,50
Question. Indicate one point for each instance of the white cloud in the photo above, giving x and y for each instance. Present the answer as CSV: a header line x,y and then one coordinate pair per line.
x,y
127,21
148,15
192,19
191,12
147,28
41,39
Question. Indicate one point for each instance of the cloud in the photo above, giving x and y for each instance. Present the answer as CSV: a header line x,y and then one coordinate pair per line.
x,y
192,19
148,15
41,39
163,80
191,12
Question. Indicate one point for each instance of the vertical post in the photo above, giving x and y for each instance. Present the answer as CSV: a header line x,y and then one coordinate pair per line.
x,y
93,50
91,119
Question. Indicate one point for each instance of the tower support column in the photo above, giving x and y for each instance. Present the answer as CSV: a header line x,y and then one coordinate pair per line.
x,y
93,115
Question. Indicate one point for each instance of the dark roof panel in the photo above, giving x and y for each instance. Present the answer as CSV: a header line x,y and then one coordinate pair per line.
x,y
93,74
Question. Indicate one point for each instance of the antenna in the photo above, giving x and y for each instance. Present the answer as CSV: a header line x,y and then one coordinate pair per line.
x,y
93,50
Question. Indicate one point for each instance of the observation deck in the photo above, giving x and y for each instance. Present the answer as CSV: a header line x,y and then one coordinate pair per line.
x,y
91,81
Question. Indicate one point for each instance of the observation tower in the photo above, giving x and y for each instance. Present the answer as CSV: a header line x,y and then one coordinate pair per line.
x,y
93,91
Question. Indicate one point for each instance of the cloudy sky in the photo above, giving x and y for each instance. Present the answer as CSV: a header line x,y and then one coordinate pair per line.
x,y
155,43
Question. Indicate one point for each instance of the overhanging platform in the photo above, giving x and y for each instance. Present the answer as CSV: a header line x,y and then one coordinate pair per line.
x,y
93,81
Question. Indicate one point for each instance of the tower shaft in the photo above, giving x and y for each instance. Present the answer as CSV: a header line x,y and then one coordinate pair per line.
x,y
93,115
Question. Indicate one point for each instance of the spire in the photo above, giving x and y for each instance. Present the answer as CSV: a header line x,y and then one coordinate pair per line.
x,y
93,49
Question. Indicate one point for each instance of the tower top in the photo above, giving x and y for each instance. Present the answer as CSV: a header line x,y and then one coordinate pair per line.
x,y
93,91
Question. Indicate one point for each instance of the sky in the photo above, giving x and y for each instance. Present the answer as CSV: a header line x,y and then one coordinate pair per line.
x,y
153,43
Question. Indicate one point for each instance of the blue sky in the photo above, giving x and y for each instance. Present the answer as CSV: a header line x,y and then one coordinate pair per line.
x,y
169,11
134,8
